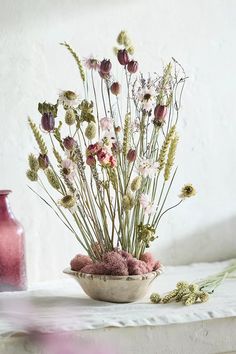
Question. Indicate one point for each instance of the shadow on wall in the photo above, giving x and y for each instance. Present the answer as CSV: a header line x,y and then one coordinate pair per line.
x,y
213,243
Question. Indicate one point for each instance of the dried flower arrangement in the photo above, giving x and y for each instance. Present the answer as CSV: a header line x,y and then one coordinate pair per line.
x,y
115,169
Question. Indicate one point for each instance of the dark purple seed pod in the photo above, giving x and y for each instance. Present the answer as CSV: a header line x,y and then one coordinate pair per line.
x,y
160,112
131,155
105,66
132,67
43,161
115,88
69,143
123,56
48,122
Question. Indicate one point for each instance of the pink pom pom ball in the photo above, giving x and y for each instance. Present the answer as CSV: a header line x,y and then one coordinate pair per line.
x,y
80,261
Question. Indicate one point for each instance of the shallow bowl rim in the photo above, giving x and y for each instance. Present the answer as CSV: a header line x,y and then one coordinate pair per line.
x,y
80,275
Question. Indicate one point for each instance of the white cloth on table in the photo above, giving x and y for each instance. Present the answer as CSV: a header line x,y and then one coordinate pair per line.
x,y
62,306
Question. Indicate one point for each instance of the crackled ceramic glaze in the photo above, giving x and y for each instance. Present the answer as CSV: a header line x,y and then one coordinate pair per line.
x,y
114,288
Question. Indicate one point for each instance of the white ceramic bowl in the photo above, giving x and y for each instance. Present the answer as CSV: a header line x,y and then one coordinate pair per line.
x,y
114,288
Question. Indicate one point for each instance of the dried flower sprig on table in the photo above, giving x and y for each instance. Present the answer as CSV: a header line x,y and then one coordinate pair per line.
x,y
113,152
194,293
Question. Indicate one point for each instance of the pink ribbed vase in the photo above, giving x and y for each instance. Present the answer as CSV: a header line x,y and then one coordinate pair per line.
x,y
12,248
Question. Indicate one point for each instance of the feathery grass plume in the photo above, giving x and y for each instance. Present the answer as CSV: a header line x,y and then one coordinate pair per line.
x,y
164,148
96,177
127,135
203,296
32,175
52,178
121,37
91,130
68,201
170,296
57,156
33,163
113,178
183,290
164,81
128,201
124,39
155,298
38,137
191,299
70,117
68,183
77,59
171,157
130,50
80,163
136,183
57,135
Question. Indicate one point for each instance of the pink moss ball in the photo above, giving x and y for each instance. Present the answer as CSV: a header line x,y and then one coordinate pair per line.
x,y
115,263
120,263
80,261
95,268
149,260
137,267
126,255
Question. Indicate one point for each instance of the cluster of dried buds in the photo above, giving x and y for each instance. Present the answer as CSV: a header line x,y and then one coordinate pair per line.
x,y
189,294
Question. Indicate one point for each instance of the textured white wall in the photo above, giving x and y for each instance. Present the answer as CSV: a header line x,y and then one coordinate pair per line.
x,y
33,67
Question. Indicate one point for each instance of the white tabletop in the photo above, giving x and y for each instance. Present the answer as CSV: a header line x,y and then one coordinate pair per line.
x,y
61,305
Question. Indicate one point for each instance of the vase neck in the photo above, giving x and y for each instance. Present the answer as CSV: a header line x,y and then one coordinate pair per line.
x,y
5,209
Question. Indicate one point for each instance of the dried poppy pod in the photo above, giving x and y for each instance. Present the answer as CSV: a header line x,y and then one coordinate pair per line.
x,y
123,56
132,67
105,66
160,112
115,88
48,122
43,161
91,161
131,155
69,143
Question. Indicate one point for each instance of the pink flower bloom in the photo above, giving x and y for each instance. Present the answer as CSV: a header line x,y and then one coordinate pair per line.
x,y
92,63
112,161
106,123
146,204
103,157
147,167
91,161
92,149
80,261
68,169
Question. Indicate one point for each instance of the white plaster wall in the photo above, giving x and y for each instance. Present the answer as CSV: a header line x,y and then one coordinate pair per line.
x,y
33,67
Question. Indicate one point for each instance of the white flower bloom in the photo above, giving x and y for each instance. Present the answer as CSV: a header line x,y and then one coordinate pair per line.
x,y
92,63
146,97
68,169
68,98
106,123
146,204
147,168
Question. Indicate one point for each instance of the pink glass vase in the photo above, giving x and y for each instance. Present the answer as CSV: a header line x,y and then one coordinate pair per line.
x,y
12,248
